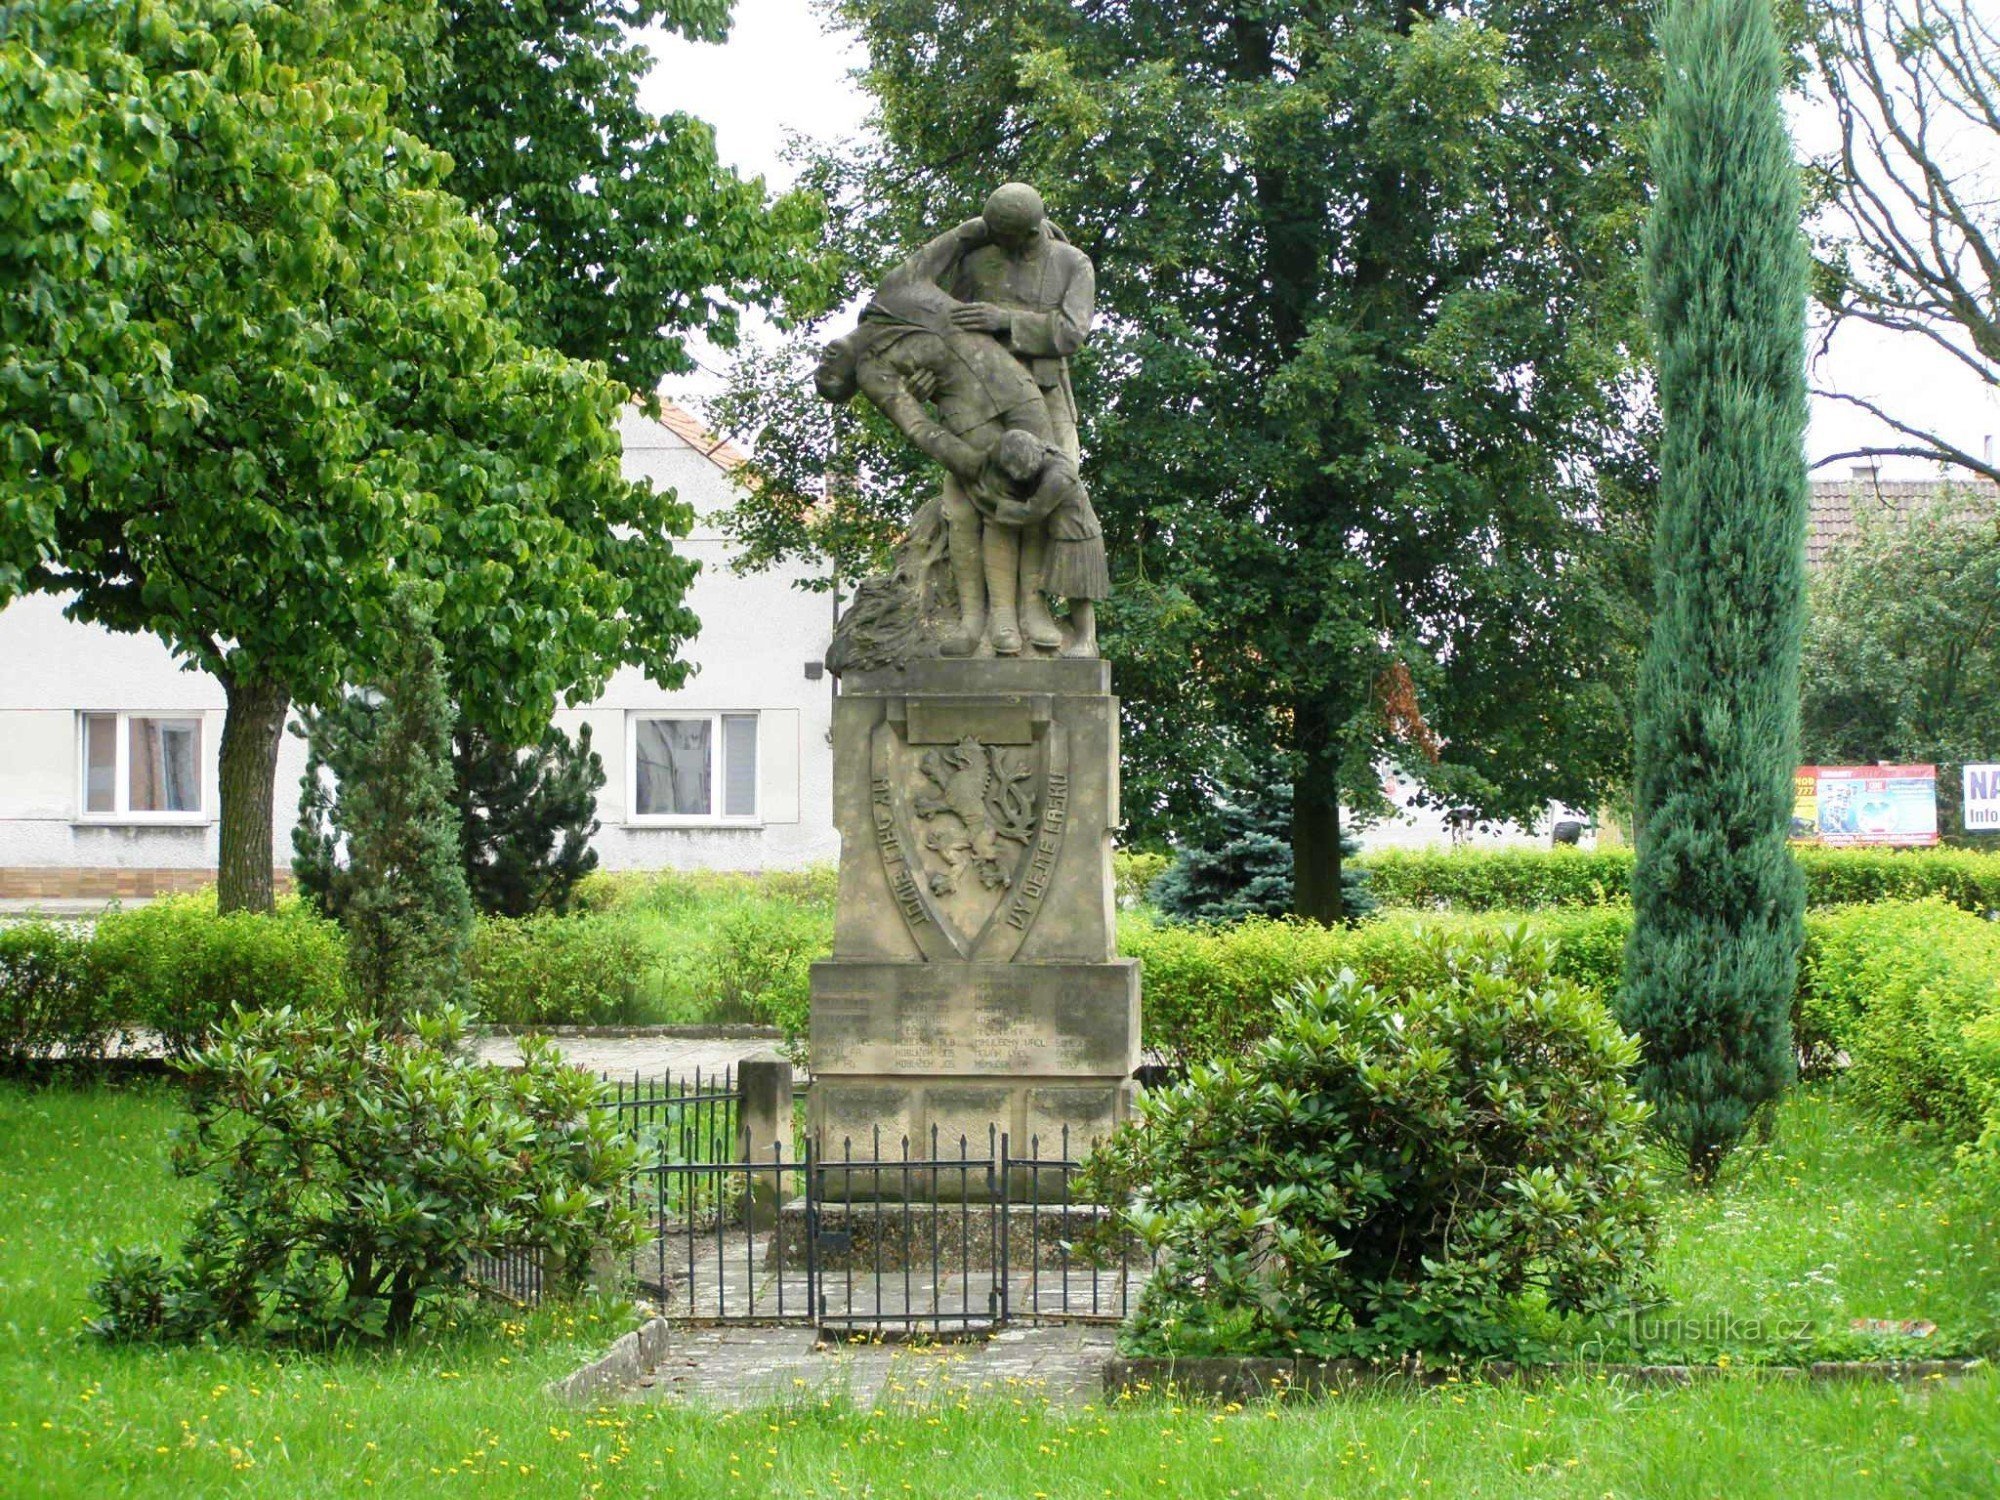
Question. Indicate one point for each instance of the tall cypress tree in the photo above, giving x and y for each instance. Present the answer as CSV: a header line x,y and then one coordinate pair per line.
x,y
1718,901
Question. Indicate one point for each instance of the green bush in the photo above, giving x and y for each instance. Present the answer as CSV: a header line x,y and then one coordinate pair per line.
x,y
1442,1167
753,964
1208,991
1499,879
673,893
1133,872
1911,993
549,970
50,996
1534,879
178,968
354,1173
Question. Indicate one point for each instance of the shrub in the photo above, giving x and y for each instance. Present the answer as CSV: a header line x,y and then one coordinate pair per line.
x,y
179,968
50,996
1910,992
756,965
1437,1168
1209,991
681,892
1133,872
1533,879
354,1172
402,896
557,971
1499,879
526,816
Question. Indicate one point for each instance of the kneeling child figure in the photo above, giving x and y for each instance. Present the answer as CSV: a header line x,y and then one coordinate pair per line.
x,y
1025,481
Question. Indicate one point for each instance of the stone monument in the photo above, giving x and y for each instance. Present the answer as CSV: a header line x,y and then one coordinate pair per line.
x,y
974,981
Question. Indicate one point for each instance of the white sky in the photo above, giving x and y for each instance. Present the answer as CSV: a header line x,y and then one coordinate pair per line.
x,y
780,74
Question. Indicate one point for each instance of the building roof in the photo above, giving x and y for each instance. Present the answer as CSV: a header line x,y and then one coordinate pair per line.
x,y
1841,508
686,426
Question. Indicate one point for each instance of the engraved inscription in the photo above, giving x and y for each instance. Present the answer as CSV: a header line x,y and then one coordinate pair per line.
x,y
902,882
1041,864
1031,1020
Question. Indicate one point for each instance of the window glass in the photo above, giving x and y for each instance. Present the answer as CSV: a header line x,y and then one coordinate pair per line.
x,y
672,756
100,763
165,775
739,765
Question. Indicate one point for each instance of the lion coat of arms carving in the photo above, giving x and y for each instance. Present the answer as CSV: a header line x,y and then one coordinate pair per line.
x,y
978,802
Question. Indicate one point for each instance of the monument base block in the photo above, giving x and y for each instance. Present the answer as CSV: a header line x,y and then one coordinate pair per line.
x,y
974,989
944,1058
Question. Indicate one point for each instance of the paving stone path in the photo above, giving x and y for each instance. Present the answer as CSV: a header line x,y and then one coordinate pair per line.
x,y
644,1056
739,1368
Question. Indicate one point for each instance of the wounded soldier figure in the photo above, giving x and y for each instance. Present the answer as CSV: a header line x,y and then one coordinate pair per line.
x,y
905,351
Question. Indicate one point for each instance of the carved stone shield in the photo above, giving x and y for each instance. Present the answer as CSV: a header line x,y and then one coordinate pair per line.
x,y
969,803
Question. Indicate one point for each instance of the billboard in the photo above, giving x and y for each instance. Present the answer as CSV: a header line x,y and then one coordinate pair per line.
x,y
1982,799
1865,805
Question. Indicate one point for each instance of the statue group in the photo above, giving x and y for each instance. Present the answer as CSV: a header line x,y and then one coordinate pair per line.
x,y
975,983
965,347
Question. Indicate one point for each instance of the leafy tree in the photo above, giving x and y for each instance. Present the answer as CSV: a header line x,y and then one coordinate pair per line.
x,y
1364,396
1912,239
1718,904
402,896
1902,647
619,229
312,391
1238,863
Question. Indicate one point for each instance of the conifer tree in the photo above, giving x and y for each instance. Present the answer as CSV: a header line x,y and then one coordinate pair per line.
x,y
526,815
1718,901
1238,863
406,907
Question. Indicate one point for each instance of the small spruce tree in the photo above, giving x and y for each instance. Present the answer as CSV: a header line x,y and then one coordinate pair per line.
x,y
404,900
1238,863
1717,900
526,817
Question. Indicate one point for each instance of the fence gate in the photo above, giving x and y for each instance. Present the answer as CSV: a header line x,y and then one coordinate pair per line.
x,y
936,1237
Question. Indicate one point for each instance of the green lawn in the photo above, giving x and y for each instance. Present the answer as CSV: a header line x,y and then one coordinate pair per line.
x,y
1829,1223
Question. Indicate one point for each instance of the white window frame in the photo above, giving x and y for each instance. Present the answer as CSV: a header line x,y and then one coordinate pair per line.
x,y
121,769
637,819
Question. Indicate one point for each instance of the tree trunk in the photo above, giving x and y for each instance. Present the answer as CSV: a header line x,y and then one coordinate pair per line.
x,y
251,730
1316,843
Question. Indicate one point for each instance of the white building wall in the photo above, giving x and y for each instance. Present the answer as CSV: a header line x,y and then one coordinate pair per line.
x,y
1413,827
758,633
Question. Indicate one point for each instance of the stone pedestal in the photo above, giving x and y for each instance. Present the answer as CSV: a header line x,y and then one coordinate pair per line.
x,y
974,984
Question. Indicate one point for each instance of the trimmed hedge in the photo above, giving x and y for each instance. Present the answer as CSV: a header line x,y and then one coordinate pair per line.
x,y
50,998
174,967
1903,997
1910,991
1537,879
1208,991
677,892
178,968
549,970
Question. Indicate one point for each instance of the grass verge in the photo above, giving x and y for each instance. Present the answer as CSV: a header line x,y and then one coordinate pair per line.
x,y
464,1413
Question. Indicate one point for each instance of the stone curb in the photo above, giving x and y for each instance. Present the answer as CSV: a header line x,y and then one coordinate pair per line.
x,y
1225,1379
619,1366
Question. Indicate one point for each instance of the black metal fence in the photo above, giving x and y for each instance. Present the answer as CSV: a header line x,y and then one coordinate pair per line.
x,y
940,1236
